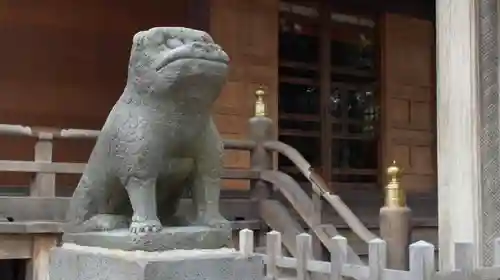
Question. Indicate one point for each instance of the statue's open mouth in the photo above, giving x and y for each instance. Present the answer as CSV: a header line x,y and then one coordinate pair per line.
x,y
198,51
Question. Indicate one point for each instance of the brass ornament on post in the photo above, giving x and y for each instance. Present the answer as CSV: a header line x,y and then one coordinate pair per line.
x,y
394,194
260,104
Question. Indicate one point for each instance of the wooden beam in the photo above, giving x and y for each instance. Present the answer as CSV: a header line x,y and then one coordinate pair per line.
x,y
13,246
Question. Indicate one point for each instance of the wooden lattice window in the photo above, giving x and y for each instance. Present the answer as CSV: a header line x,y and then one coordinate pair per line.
x,y
328,85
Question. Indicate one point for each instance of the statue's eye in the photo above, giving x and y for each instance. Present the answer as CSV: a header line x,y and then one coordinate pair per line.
x,y
174,43
205,38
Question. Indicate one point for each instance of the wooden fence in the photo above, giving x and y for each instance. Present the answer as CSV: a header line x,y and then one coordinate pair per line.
x,y
421,258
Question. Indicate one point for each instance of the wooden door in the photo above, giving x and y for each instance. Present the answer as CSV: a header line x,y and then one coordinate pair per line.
x,y
408,100
248,31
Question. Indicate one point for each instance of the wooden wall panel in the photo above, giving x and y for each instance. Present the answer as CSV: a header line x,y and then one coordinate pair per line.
x,y
248,31
64,65
408,100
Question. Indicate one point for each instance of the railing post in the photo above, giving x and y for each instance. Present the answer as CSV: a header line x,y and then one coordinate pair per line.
x,y
395,216
261,130
44,184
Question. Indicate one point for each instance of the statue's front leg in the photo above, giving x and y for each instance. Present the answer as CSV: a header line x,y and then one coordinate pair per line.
x,y
142,194
207,181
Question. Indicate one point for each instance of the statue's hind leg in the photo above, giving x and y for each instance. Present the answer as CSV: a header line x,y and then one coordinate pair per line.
x,y
207,182
90,208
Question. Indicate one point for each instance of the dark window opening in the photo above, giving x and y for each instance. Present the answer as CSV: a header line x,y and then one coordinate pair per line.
x,y
350,109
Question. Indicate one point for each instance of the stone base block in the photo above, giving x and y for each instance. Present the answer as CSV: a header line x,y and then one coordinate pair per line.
x,y
74,262
170,238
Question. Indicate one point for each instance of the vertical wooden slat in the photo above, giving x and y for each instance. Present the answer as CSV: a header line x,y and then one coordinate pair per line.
x,y
422,265
325,90
44,184
338,257
377,254
317,247
246,242
273,250
304,253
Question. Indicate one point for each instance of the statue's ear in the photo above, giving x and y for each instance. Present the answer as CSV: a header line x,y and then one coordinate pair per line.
x,y
138,39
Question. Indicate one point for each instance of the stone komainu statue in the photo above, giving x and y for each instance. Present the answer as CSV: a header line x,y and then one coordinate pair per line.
x,y
159,139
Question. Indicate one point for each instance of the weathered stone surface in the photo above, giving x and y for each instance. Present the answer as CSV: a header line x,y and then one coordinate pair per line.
x,y
73,262
170,238
159,139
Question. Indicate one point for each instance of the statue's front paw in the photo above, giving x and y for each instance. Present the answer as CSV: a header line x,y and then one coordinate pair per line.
x,y
212,220
147,226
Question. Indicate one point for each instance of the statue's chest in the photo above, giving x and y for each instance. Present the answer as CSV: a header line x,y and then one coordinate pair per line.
x,y
176,169
186,130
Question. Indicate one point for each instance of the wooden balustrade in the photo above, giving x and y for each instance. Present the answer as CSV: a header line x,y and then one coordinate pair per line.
x,y
421,255
45,235
45,169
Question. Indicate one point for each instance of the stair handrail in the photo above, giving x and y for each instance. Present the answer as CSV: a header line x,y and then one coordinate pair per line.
x,y
319,186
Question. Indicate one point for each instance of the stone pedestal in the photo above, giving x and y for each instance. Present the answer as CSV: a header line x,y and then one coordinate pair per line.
x,y
74,262
169,238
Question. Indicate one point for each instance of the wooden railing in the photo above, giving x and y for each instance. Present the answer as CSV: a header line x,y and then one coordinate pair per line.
x,y
263,177
261,173
421,255
45,169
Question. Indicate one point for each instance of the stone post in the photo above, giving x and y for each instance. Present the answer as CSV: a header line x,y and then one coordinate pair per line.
x,y
261,130
395,226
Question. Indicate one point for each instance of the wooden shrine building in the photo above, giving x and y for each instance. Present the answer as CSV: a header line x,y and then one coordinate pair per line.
x,y
350,84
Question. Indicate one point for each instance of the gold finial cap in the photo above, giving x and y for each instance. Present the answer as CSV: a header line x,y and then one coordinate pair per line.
x,y
260,105
260,92
394,193
394,172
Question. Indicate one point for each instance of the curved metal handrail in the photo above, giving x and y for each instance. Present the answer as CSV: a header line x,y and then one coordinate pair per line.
x,y
319,186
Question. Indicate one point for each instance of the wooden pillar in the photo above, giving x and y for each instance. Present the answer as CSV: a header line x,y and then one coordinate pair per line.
x,y
38,266
457,128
